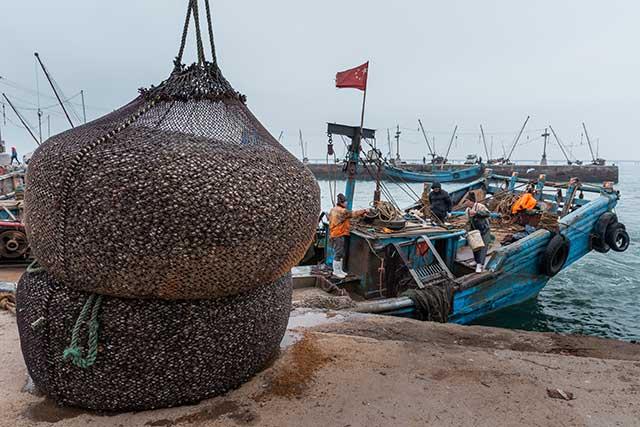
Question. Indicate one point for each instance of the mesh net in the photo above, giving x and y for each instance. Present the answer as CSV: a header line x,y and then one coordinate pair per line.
x,y
181,194
151,353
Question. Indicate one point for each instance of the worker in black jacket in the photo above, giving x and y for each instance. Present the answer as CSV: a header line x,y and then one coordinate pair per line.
x,y
439,201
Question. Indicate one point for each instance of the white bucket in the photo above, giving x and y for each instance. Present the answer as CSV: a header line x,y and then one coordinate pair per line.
x,y
474,239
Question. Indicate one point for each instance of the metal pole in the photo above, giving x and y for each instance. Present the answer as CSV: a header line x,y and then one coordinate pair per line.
x,y
46,73
432,152
543,162
84,110
354,158
21,119
40,124
484,141
446,157
560,145
398,142
589,142
515,143
48,126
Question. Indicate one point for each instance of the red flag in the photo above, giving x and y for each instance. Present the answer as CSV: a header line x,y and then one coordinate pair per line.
x,y
355,78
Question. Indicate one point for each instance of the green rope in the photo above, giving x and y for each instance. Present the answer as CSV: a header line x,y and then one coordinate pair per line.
x,y
74,351
35,267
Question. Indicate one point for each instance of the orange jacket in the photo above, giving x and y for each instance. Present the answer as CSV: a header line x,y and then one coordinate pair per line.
x,y
339,224
524,203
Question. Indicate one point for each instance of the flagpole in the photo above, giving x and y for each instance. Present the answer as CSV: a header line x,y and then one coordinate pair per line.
x,y
364,101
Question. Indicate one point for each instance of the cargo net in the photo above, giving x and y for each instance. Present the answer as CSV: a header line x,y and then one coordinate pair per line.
x,y
181,194
147,354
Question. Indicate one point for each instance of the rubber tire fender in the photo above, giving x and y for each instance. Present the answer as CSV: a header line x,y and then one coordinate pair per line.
x,y
555,255
603,223
616,232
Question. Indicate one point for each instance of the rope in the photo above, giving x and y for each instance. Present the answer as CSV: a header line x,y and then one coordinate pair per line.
x,y
183,41
196,18
388,212
74,351
35,267
214,59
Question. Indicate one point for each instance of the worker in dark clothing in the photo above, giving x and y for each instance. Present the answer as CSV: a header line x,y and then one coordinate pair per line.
x,y
478,219
14,156
439,201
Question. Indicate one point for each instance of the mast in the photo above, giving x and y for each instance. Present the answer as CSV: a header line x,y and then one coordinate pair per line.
x,y
589,142
84,110
302,145
24,123
543,162
40,124
55,91
389,142
484,141
398,143
569,162
515,143
431,152
446,157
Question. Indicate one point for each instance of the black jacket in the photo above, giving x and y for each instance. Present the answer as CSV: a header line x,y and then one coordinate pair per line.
x,y
440,203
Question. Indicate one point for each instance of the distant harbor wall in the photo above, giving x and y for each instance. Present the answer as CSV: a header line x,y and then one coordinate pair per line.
x,y
559,173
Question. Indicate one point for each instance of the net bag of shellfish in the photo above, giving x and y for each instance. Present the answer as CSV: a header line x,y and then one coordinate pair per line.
x,y
143,354
180,194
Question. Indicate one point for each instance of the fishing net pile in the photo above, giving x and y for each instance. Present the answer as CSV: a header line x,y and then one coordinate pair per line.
x,y
150,353
164,233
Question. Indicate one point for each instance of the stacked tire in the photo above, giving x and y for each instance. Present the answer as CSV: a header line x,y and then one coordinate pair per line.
x,y
164,234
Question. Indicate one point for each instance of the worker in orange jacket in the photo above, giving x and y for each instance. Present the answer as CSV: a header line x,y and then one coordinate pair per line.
x,y
339,228
526,202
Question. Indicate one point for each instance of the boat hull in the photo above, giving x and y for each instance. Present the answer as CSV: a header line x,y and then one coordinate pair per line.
x,y
449,175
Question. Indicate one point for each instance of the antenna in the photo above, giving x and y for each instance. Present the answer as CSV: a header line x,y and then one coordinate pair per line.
x,y
280,136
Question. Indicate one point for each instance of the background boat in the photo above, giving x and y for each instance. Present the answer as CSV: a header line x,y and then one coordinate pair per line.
x,y
446,175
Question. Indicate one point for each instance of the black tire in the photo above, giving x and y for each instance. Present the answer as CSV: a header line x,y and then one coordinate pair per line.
x,y
617,238
604,222
555,255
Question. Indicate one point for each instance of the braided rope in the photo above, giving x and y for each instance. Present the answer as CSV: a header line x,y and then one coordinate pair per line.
x,y
183,41
34,267
196,18
214,59
74,351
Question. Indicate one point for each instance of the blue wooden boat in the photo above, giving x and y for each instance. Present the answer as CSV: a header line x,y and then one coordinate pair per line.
x,y
444,175
387,268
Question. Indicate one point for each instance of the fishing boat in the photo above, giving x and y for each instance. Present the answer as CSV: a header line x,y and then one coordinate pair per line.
x,y
436,174
425,269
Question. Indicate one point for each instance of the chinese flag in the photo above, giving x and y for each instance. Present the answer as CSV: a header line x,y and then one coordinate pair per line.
x,y
355,78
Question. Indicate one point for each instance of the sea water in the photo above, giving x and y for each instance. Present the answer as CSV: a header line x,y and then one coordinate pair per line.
x,y
599,295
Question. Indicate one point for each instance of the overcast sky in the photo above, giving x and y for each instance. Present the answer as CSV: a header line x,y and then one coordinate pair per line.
x,y
449,63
